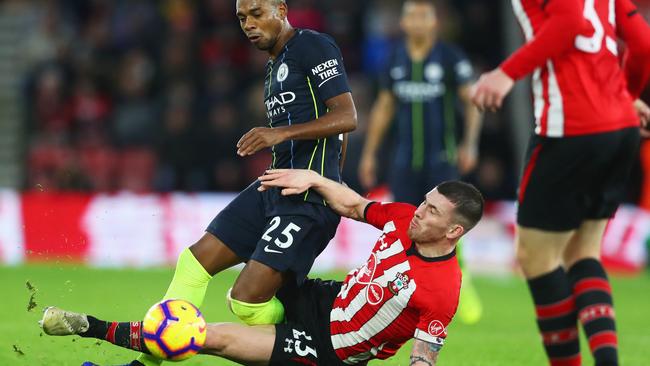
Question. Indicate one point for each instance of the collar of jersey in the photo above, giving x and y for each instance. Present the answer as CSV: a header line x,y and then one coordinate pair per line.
x,y
284,49
413,251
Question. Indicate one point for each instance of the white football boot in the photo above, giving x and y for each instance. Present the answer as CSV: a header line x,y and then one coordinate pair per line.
x,y
58,322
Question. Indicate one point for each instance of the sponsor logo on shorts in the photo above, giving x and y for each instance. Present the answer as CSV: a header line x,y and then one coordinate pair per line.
x,y
269,250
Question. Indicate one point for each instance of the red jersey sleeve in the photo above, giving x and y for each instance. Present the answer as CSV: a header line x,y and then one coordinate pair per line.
x,y
563,22
378,214
632,28
432,324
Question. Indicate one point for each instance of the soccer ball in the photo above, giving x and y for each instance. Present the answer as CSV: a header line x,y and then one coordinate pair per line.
x,y
174,330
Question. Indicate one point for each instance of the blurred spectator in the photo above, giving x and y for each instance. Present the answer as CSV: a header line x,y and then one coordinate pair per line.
x,y
218,152
135,120
52,112
50,38
177,150
90,109
304,14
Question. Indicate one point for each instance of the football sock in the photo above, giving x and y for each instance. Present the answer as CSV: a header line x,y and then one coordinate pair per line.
x,y
190,280
270,312
123,334
470,308
593,297
190,283
556,317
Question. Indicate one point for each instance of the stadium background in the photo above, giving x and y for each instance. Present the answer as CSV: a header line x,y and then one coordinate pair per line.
x,y
118,121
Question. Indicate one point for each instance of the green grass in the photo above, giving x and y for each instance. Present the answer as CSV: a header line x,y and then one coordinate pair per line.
x,y
505,336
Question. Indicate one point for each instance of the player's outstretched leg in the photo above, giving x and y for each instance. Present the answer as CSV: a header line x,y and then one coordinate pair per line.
x,y
237,342
194,270
470,308
190,282
59,322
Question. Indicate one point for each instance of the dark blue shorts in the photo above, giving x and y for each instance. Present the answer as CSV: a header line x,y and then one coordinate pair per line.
x,y
284,232
304,338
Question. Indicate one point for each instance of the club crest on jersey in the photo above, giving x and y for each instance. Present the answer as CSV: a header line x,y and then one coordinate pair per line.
x,y
400,282
436,328
283,72
433,72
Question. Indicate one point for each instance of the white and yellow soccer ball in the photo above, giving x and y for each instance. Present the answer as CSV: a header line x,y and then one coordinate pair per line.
x,y
174,330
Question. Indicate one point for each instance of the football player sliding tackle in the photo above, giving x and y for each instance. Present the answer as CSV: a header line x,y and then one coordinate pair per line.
x,y
408,288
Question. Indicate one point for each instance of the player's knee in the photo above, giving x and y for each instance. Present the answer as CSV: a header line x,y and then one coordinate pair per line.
x,y
269,312
523,254
244,293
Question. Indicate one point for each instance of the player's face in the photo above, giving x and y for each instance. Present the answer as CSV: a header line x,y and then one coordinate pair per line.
x,y
433,219
418,20
261,21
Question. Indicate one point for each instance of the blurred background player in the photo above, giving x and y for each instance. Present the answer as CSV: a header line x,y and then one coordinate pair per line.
x,y
309,106
408,288
425,87
579,159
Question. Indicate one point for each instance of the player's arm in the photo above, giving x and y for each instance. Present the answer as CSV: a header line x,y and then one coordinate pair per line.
x,y
344,151
564,22
468,149
340,118
632,28
381,115
340,198
424,353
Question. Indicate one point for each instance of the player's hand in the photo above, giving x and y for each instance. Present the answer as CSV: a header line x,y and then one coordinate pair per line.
x,y
467,158
368,172
490,90
259,138
292,181
643,111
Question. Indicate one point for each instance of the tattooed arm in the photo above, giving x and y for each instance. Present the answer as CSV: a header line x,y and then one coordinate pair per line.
x,y
424,353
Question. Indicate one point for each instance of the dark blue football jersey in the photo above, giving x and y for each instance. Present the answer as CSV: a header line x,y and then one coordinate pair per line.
x,y
427,112
307,72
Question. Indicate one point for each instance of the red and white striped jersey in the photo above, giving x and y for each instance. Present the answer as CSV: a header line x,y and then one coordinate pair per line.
x,y
396,295
578,84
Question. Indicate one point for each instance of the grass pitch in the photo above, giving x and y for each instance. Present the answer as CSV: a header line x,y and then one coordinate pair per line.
x,y
505,336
